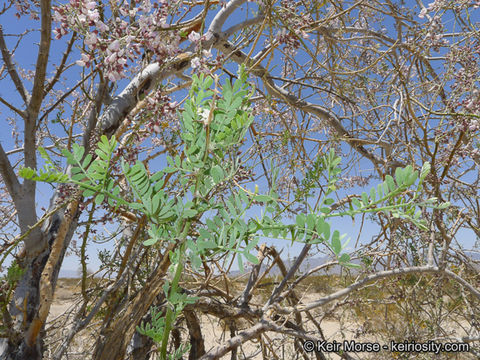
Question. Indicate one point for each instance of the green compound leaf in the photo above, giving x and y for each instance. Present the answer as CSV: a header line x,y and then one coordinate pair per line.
x,y
390,183
99,199
336,243
425,171
217,174
399,176
300,220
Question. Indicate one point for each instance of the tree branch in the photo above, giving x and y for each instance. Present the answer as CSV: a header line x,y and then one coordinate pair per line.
x,y
241,58
10,179
290,273
128,98
27,212
7,58
222,16
379,275
11,107
237,27
246,295
243,336
62,98
61,67
42,61
80,324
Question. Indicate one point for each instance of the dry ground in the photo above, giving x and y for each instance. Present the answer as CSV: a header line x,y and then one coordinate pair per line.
x,y
346,324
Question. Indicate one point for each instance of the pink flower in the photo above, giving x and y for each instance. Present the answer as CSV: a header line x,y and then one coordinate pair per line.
x,y
422,13
57,16
114,76
101,26
93,15
110,59
84,61
123,11
58,33
194,36
90,5
114,46
195,62
91,40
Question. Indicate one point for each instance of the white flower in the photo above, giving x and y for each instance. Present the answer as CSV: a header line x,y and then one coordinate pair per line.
x,y
114,76
57,16
207,53
58,33
204,115
91,40
111,58
93,15
114,46
195,63
83,61
90,5
101,26
123,11
194,36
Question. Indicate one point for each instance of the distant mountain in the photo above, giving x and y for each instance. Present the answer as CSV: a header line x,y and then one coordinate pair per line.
x,y
67,273
311,263
307,265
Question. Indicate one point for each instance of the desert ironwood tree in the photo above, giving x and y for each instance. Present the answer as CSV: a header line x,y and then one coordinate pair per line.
x,y
387,84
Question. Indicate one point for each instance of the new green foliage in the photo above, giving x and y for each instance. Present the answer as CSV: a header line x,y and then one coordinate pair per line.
x,y
204,221
393,195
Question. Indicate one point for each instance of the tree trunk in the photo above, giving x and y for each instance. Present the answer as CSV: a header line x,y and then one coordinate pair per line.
x,y
114,340
34,292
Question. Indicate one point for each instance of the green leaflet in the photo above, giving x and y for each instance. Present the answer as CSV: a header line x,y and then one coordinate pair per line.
x,y
214,120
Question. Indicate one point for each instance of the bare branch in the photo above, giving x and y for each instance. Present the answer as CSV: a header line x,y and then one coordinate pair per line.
x,y
289,275
38,91
7,58
237,27
62,98
10,179
61,67
28,211
53,146
195,330
253,276
243,336
48,276
379,275
222,16
11,107
80,324
122,330
93,117
143,83
258,70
